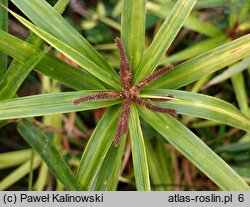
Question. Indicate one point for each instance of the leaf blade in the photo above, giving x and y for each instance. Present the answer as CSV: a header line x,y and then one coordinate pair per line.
x,y
195,150
195,49
73,54
202,106
133,29
241,93
39,10
229,72
4,27
205,64
138,152
16,72
19,173
47,104
50,66
44,147
107,178
97,148
192,23
13,79
10,159
164,38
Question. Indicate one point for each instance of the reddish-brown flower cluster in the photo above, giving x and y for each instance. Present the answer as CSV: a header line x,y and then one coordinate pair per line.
x,y
130,93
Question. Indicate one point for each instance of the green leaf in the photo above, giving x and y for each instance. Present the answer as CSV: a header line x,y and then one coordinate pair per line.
x,y
205,64
73,54
107,177
17,72
49,65
133,30
202,4
159,165
61,5
195,150
42,177
212,3
10,159
244,11
3,26
206,28
46,18
164,38
195,49
234,147
206,123
197,86
97,148
45,148
244,172
13,79
202,106
231,71
192,23
139,156
47,104
19,173
241,93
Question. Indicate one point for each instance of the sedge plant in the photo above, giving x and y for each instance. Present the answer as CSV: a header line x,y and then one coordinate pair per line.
x,y
140,92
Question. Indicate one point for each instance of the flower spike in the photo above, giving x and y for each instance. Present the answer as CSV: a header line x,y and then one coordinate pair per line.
x,y
125,70
130,93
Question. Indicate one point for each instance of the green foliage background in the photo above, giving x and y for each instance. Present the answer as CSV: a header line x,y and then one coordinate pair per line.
x,y
154,33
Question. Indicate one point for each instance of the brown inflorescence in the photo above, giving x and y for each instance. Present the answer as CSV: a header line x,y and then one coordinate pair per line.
x,y
130,93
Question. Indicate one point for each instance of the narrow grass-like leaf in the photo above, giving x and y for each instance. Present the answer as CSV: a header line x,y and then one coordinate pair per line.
x,y
201,4
133,30
19,173
244,172
45,148
30,178
10,159
10,84
54,121
97,148
195,49
241,93
154,168
159,166
107,177
233,15
202,106
47,104
195,150
206,123
70,52
61,5
205,64
192,23
200,83
49,65
206,28
234,147
42,177
164,38
17,72
139,156
244,11
39,11
231,71
4,27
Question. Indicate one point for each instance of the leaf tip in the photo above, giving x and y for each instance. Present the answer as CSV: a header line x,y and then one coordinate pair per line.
x,y
5,7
